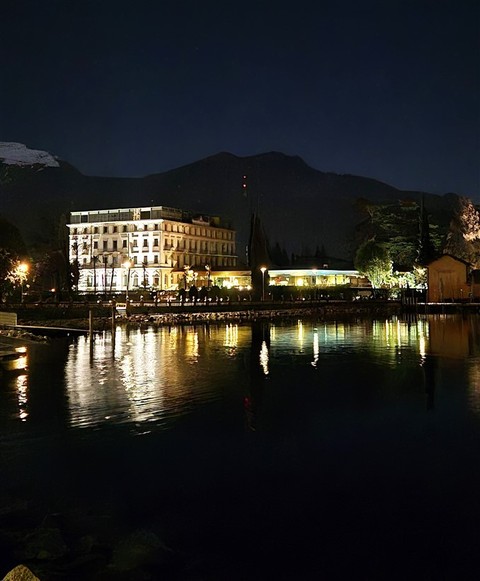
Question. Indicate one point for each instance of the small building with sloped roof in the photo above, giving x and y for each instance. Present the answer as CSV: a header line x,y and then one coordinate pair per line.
x,y
448,279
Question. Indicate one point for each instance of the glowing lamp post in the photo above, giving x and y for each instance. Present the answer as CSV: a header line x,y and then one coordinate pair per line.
x,y
207,268
263,269
127,265
22,271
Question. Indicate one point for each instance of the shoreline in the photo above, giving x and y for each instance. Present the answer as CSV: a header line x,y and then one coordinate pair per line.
x,y
72,317
76,317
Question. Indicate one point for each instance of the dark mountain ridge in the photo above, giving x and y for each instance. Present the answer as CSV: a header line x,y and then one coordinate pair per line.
x,y
299,206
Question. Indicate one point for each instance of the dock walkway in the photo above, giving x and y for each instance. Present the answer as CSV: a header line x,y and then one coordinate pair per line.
x,y
51,331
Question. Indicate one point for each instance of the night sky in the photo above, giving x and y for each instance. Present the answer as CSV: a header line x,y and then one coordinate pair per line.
x,y
387,89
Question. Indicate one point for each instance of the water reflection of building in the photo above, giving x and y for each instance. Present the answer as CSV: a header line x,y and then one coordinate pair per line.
x,y
151,375
452,339
449,336
474,383
147,376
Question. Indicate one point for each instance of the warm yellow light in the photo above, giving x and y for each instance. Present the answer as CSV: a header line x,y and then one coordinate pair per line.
x,y
127,264
263,269
264,357
23,268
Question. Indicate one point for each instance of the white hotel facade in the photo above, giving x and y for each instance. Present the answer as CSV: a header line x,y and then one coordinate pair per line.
x,y
153,247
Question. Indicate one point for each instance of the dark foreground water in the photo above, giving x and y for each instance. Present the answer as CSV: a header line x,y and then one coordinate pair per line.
x,y
303,450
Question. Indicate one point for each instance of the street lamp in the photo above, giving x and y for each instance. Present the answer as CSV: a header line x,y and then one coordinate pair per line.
x,y
22,271
127,264
207,268
105,263
263,269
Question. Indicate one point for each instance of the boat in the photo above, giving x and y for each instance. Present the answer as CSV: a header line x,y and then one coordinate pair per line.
x,y
13,360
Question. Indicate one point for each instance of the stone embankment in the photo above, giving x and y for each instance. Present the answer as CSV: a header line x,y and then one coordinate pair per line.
x,y
326,311
78,318
195,317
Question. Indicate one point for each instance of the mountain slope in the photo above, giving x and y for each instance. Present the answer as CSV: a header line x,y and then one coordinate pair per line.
x,y
299,205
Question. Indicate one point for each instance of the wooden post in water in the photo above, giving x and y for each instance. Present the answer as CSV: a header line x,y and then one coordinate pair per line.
x,y
90,331
90,323
113,324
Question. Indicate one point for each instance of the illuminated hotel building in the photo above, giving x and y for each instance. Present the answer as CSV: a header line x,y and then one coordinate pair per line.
x,y
152,247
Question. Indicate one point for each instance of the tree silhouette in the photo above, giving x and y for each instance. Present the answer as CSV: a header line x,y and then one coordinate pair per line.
x,y
426,250
258,254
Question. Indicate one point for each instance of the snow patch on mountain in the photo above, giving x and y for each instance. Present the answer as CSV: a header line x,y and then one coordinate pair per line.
x,y
20,154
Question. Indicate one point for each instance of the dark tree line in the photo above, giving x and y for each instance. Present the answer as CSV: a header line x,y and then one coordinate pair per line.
x,y
47,259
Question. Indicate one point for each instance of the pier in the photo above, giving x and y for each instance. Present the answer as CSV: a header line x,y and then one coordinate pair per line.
x,y
51,331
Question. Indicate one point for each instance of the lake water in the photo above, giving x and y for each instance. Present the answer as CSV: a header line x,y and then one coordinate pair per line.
x,y
286,450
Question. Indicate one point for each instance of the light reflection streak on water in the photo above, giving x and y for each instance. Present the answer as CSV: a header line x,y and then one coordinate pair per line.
x,y
173,338
191,351
300,335
422,334
139,379
394,341
264,358
334,332
145,377
87,380
153,375
22,395
474,385
397,335
316,348
231,338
